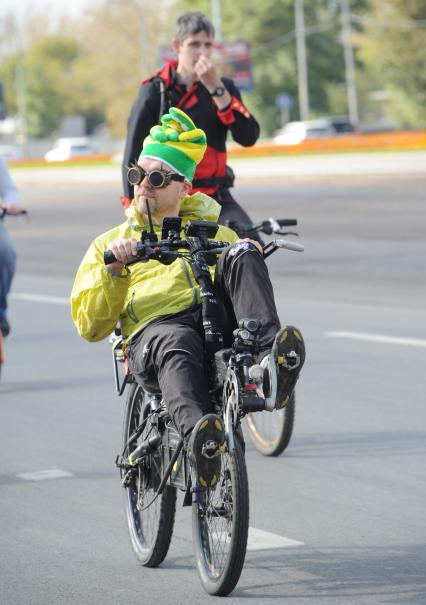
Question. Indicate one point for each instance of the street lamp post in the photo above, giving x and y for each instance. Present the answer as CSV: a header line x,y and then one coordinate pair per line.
x,y
349,62
21,93
217,19
302,70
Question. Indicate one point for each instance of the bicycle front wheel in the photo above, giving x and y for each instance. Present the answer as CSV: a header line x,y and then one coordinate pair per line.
x,y
150,528
220,526
270,432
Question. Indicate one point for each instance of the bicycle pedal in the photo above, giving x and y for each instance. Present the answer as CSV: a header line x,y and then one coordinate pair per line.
x,y
211,449
290,361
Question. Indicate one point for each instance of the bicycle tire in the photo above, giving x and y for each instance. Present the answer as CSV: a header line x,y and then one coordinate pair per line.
x,y
270,432
150,530
219,570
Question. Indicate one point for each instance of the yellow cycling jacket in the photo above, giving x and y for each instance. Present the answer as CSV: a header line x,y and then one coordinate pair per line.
x,y
151,290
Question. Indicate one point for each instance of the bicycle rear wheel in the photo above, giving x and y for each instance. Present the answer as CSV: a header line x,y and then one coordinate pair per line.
x,y
151,529
220,526
270,432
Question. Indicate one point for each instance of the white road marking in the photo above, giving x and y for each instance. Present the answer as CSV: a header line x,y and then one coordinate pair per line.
x,y
265,540
41,298
409,342
257,538
54,473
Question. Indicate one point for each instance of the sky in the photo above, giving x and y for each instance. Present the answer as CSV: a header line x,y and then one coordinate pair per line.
x,y
21,7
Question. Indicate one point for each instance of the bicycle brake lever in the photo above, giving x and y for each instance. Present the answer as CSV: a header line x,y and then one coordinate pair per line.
x,y
167,258
269,249
277,244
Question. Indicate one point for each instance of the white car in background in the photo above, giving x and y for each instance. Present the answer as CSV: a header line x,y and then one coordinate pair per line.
x,y
68,148
294,133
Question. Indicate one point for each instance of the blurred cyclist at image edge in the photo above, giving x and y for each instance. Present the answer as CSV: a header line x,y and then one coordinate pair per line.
x,y
9,201
193,84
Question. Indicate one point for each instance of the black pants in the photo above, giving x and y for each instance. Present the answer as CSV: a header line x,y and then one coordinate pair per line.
x,y
232,211
169,353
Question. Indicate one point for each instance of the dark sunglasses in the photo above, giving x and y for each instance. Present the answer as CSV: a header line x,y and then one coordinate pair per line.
x,y
156,178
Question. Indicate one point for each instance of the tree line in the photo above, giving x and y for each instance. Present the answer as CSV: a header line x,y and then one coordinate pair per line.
x,y
93,65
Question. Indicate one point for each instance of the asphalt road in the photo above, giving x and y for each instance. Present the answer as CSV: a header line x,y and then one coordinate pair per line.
x,y
350,489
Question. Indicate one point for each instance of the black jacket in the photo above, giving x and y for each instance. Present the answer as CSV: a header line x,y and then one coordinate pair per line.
x,y
198,104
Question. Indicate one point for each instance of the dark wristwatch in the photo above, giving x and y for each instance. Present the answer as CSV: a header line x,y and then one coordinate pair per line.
x,y
218,92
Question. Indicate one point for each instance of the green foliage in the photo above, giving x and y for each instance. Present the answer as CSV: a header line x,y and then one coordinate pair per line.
x,y
45,73
269,27
394,50
95,65
8,77
119,41
48,81
94,68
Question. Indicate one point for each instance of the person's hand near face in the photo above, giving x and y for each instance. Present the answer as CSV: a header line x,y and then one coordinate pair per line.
x,y
207,73
195,64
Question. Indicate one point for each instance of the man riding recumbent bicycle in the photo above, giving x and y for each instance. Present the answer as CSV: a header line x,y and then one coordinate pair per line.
x,y
182,428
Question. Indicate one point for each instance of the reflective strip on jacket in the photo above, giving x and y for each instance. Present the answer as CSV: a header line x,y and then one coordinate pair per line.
x,y
151,290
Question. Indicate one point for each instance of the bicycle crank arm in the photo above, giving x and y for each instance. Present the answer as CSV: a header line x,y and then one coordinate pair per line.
x,y
252,403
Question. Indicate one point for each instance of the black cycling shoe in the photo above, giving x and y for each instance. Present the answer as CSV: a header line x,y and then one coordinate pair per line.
x,y
204,449
4,325
288,352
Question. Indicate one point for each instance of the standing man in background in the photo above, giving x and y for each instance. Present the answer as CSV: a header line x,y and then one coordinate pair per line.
x,y
9,201
193,84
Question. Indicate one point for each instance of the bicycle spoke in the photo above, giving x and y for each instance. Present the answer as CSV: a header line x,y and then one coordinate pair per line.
x,y
270,432
268,424
150,517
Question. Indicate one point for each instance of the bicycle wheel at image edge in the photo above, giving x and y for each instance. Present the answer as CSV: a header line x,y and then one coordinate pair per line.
x,y
150,529
270,432
220,526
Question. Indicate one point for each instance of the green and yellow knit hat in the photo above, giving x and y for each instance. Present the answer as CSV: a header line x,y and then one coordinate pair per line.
x,y
176,142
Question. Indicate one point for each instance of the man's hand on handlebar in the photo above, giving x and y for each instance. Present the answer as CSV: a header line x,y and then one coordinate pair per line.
x,y
124,251
254,242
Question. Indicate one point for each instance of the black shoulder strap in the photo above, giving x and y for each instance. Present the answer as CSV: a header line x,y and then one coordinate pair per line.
x,y
165,97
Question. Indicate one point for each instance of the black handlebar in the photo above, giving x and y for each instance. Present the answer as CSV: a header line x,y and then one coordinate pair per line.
x,y
166,251
109,257
271,225
286,222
